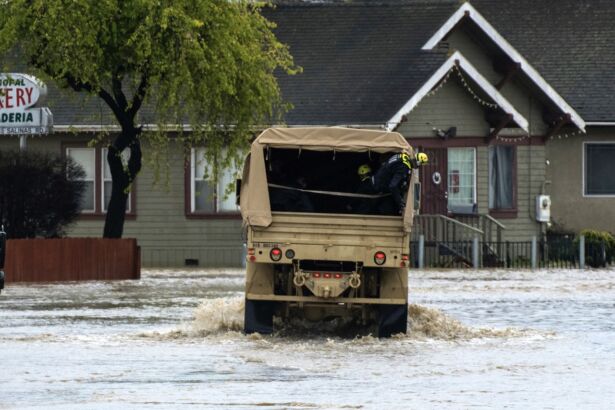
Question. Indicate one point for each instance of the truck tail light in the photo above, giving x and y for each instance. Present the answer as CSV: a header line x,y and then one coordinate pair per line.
x,y
250,251
338,276
275,254
327,275
404,257
380,258
316,274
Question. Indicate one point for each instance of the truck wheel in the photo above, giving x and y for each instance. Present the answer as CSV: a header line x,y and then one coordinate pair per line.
x,y
258,317
392,319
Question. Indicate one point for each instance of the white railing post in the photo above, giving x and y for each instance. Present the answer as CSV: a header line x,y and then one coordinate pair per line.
x,y
534,253
582,252
421,251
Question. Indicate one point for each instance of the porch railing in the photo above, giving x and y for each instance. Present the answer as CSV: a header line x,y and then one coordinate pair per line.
x,y
442,228
560,253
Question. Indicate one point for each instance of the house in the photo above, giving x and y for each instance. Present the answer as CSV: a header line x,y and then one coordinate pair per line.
x,y
512,100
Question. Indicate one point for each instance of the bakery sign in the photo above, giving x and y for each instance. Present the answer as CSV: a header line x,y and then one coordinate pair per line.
x,y
21,97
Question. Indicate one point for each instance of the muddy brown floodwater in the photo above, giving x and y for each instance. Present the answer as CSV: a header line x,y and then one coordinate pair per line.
x,y
500,339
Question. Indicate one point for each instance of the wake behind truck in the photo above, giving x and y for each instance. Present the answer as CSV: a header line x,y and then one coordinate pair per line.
x,y
314,250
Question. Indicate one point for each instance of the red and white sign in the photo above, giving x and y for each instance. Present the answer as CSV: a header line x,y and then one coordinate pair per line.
x,y
20,91
21,96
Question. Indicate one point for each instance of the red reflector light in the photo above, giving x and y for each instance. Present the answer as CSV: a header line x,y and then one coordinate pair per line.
x,y
338,276
380,258
275,254
327,275
403,264
316,274
252,258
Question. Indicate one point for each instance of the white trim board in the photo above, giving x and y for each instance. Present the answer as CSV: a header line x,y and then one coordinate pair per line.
x,y
468,10
600,124
463,64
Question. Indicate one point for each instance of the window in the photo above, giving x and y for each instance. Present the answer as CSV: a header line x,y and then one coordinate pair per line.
x,y
207,197
86,157
462,180
97,179
599,169
502,178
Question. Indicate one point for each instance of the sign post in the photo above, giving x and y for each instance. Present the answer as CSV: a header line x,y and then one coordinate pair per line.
x,y
21,114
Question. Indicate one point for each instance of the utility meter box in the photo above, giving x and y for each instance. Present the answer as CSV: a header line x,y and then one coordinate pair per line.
x,y
543,208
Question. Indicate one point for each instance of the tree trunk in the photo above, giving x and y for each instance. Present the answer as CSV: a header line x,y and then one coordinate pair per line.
x,y
121,180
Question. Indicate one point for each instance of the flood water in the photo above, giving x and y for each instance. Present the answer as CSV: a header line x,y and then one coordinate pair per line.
x,y
502,339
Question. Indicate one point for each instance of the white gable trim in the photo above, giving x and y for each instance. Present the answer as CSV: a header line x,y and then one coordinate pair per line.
x,y
463,64
491,32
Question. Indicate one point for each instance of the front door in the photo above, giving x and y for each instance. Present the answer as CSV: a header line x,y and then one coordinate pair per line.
x,y
433,176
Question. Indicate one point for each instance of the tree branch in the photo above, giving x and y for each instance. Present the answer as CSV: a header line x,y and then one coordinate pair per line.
x,y
102,93
139,96
116,84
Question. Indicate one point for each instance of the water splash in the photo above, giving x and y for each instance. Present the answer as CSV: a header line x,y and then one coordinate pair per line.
x,y
224,317
429,323
219,315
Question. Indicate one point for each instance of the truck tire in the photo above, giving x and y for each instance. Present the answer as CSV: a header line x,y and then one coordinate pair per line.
x,y
258,317
392,319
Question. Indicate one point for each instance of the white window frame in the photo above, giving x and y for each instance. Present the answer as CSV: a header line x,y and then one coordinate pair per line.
x,y
220,186
448,173
584,161
93,180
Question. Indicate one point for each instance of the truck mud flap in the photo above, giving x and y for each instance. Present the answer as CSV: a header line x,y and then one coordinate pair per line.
x,y
392,319
259,316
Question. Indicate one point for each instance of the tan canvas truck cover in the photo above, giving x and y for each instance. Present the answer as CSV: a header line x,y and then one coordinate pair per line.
x,y
254,195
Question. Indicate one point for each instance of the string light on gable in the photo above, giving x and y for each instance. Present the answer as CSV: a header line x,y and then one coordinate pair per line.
x,y
512,139
429,94
441,84
566,135
471,91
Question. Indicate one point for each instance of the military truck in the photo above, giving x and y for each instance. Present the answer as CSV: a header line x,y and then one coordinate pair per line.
x,y
310,253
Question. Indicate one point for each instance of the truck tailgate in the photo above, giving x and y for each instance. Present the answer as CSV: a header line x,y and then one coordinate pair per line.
x,y
332,229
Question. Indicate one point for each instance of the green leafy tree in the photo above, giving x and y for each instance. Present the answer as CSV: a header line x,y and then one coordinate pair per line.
x,y
205,63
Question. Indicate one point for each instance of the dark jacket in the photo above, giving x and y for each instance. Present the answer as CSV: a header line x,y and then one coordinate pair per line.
x,y
392,176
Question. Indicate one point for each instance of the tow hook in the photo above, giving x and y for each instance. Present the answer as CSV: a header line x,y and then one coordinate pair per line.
x,y
355,280
299,279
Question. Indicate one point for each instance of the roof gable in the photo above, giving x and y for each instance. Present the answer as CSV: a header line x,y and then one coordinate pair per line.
x,y
468,11
457,59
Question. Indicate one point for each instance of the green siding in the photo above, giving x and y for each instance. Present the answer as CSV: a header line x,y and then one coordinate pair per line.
x,y
450,106
165,235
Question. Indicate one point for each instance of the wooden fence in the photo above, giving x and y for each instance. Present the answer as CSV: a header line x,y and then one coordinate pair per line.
x,y
67,259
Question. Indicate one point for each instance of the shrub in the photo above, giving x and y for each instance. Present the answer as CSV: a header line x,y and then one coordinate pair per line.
x,y
39,193
594,243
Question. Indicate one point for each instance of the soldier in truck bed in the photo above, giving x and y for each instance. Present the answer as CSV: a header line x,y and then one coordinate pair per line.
x,y
394,174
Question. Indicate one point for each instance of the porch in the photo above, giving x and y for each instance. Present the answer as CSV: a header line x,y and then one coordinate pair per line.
x,y
479,241
453,238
